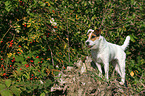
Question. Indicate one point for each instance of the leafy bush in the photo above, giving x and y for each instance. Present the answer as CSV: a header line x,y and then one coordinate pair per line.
x,y
39,38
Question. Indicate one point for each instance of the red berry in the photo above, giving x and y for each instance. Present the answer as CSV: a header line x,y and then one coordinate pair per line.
x,y
11,41
27,65
55,26
19,53
10,46
25,25
4,74
53,11
31,61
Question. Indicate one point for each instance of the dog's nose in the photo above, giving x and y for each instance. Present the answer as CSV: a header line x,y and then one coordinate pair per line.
x,y
87,43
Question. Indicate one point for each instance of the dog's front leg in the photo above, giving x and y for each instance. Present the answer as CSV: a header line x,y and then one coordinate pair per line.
x,y
106,68
99,68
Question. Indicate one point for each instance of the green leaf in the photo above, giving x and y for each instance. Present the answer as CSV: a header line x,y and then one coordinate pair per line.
x,y
42,94
51,67
16,59
36,61
24,63
132,2
8,5
132,39
30,55
16,91
27,75
40,86
48,81
19,58
55,73
44,37
2,87
6,93
133,16
8,82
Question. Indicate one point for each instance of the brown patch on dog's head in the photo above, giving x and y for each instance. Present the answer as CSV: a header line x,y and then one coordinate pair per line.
x,y
95,35
98,32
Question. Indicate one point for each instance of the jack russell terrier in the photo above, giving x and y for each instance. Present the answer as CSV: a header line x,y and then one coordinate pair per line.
x,y
105,52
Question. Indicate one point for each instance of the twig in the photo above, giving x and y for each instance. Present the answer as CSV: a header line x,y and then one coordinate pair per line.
x,y
51,55
9,29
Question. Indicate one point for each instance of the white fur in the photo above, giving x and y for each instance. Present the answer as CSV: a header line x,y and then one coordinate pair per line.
x,y
90,30
105,52
126,43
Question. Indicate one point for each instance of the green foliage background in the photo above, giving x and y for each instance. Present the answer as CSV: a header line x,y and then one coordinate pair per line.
x,y
31,49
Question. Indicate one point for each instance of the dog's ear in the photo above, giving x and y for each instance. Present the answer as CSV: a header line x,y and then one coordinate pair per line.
x,y
98,32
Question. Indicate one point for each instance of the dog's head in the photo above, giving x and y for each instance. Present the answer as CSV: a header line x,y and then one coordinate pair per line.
x,y
93,38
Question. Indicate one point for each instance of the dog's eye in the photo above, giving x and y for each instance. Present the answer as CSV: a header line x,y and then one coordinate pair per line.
x,y
93,37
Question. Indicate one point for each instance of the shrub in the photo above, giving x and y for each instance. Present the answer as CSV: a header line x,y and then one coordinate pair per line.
x,y
39,38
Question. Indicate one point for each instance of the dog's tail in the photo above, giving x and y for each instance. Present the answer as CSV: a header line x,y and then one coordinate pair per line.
x,y
126,43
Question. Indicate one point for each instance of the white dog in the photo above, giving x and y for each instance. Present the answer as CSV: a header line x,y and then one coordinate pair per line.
x,y
104,52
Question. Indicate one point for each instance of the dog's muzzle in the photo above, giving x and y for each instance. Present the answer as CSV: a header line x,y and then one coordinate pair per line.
x,y
88,44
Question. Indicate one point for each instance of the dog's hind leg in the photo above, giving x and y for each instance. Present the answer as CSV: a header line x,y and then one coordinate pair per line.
x,y
106,68
99,68
122,69
117,68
